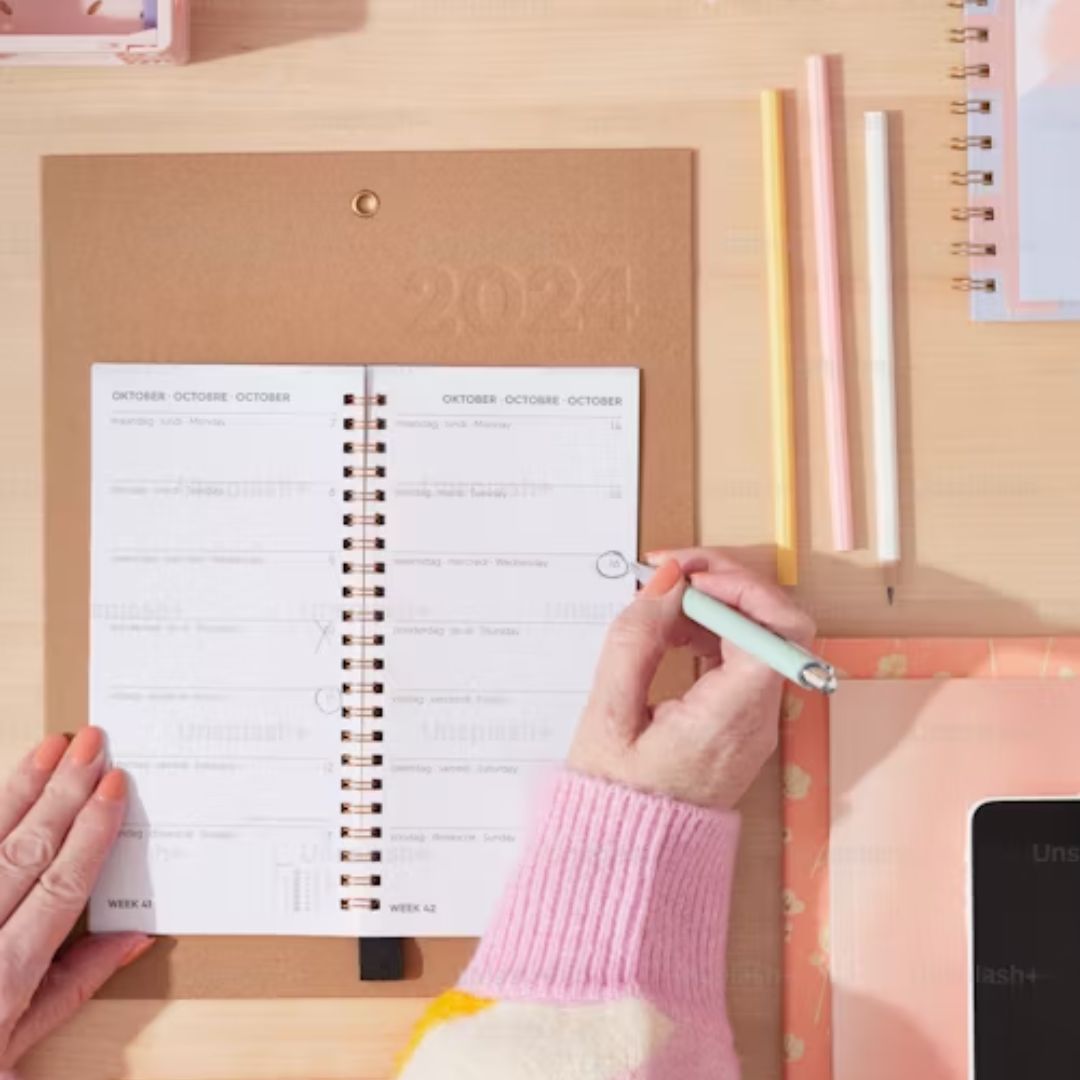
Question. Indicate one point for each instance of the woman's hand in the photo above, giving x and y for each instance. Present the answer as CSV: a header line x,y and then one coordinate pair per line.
x,y
707,746
58,819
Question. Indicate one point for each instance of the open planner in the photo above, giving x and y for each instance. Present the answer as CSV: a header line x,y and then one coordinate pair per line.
x,y
343,621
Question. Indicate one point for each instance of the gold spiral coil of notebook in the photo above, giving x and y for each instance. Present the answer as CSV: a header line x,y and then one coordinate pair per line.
x,y
968,35
973,213
970,71
972,144
970,284
360,715
971,178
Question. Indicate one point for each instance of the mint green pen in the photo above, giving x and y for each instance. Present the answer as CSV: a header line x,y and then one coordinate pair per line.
x,y
792,661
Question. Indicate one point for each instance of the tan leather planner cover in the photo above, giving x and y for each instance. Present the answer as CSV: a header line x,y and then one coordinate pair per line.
x,y
553,257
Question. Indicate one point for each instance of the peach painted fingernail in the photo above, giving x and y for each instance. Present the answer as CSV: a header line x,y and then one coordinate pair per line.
x,y
86,746
113,786
140,948
655,558
665,579
49,752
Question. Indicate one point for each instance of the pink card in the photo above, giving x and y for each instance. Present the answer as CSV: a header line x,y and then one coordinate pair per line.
x,y
908,761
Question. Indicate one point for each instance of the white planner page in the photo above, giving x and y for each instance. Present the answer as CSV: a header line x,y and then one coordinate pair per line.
x,y
215,644
506,490
480,525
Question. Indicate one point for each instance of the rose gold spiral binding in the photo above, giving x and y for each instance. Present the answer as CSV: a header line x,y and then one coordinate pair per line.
x,y
969,35
361,856
368,880
972,178
361,736
357,832
362,712
364,448
352,592
973,213
362,646
969,71
352,543
971,250
972,144
361,568
362,761
362,688
374,663
374,784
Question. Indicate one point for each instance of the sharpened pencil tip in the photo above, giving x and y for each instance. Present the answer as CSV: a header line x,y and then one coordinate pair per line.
x,y
890,594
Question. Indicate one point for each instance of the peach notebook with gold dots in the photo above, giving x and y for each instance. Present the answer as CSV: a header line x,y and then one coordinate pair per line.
x,y
922,728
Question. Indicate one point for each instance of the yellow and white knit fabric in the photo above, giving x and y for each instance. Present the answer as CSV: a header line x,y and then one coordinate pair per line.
x,y
470,1038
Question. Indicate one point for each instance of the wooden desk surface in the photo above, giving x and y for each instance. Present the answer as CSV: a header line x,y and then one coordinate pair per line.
x,y
991,473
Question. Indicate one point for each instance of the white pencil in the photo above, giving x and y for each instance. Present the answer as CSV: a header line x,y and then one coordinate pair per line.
x,y
883,347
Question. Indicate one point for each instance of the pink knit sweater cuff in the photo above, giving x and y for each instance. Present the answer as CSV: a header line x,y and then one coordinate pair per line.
x,y
618,893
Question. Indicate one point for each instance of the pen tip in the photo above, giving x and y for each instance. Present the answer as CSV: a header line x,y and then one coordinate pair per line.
x,y
890,594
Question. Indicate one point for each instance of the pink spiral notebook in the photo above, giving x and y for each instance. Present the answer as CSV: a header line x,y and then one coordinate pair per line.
x,y
907,753
1019,88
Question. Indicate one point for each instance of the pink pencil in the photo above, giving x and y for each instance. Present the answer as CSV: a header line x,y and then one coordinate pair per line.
x,y
828,275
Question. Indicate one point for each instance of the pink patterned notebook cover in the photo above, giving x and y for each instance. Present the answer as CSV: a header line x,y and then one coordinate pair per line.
x,y
805,753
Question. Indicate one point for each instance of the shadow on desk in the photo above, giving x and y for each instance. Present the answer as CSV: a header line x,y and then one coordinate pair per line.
x,y
94,1045
231,27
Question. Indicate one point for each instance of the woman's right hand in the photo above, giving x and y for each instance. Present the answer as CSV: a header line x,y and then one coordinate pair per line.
x,y
707,746
59,814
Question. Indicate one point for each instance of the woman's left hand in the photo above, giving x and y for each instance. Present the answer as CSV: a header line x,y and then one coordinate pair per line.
x,y
59,814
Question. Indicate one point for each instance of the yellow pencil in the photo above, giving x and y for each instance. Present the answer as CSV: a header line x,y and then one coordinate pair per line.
x,y
782,390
